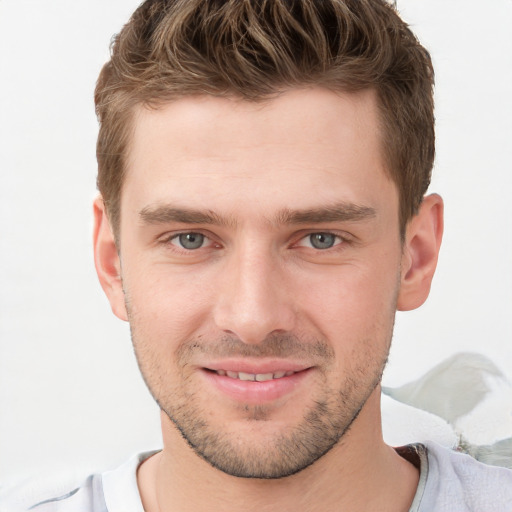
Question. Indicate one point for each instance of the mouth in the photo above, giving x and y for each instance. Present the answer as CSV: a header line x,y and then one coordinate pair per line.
x,y
255,377
257,385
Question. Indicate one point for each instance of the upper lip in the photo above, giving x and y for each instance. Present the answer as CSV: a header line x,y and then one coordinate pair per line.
x,y
256,367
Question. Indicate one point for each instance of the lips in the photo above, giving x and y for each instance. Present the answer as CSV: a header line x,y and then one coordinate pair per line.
x,y
244,382
256,377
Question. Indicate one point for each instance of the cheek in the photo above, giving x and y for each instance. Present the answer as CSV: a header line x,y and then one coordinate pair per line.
x,y
350,291
165,304
353,308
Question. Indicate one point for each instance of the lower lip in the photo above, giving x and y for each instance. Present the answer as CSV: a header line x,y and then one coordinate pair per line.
x,y
253,392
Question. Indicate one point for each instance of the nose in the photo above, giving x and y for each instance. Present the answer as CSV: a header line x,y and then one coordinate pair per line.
x,y
253,300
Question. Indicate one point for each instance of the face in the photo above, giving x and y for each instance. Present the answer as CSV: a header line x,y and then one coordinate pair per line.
x,y
260,257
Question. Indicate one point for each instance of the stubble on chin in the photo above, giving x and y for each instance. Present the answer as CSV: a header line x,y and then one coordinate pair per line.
x,y
324,423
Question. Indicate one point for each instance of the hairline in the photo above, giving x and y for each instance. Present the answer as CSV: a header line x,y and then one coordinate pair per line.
x,y
157,102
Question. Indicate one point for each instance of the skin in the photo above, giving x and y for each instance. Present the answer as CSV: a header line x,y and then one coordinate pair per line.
x,y
260,182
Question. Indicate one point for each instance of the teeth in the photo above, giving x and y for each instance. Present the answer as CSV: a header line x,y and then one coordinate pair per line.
x,y
262,377
258,377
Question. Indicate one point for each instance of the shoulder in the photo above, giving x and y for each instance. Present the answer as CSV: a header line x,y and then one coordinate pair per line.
x,y
456,481
57,496
111,491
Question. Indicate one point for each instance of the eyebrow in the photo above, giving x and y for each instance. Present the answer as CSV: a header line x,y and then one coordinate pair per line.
x,y
165,214
339,212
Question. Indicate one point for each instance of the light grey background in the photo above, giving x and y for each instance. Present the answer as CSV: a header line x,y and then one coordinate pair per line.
x,y
70,393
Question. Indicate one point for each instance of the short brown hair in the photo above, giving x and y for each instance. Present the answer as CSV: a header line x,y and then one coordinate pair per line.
x,y
255,49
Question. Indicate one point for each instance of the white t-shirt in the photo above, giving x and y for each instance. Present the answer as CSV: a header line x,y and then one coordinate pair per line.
x,y
449,482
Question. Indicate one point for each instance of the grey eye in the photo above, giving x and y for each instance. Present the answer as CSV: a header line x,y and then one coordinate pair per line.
x,y
191,240
322,240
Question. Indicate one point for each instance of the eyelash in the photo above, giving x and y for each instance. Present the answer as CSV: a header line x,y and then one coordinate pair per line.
x,y
170,240
339,240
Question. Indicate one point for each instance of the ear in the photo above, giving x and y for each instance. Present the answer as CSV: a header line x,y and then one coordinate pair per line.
x,y
106,260
421,248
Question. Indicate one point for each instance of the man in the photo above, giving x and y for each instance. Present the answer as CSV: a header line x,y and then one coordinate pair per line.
x,y
262,170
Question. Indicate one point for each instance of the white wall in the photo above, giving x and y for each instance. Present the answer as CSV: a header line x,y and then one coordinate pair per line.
x,y
70,393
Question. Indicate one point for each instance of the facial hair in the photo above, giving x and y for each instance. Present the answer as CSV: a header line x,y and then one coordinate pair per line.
x,y
325,420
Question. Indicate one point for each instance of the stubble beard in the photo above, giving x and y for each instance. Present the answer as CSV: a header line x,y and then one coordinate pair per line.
x,y
324,424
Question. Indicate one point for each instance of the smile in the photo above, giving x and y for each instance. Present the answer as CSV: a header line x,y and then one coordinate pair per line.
x,y
258,383
256,377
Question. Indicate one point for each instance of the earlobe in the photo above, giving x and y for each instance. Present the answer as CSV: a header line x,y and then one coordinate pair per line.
x,y
420,252
106,260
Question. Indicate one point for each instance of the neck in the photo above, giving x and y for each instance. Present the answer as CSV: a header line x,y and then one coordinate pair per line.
x,y
359,473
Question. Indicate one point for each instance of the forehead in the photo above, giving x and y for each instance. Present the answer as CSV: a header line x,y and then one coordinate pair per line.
x,y
231,153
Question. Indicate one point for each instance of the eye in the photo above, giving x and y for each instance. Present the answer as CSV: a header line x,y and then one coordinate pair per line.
x,y
189,241
320,240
